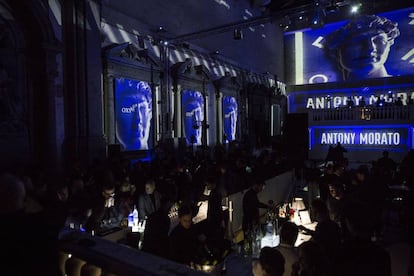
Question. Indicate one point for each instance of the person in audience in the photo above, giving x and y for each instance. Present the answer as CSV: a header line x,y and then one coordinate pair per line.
x,y
406,171
358,255
387,166
375,192
324,180
78,201
335,199
57,203
215,219
312,175
288,236
183,240
359,185
327,233
398,102
338,153
36,187
183,180
350,102
104,210
157,229
251,206
149,201
270,263
313,261
29,241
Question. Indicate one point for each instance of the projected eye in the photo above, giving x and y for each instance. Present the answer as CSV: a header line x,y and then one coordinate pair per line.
x,y
379,39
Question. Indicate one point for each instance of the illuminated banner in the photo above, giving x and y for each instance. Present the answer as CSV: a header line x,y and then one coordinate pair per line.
x,y
193,116
133,114
386,137
369,46
300,102
230,111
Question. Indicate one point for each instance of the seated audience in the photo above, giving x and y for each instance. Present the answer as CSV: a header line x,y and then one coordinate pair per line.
x,y
358,255
288,236
149,201
156,230
386,166
335,204
215,218
104,210
29,241
335,200
183,240
313,261
327,233
324,181
270,263
251,206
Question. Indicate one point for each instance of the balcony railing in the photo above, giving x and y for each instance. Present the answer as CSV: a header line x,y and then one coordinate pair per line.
x,y
368,113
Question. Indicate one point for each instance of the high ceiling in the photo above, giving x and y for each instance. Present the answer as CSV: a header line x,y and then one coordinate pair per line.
x,y
210,24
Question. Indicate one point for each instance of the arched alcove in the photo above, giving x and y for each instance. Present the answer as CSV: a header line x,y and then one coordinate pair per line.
x,y
28,69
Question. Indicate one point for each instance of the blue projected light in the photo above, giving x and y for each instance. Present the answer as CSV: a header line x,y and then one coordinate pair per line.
x,y
193,116
230,111
338,51
390,137
133,114
302,101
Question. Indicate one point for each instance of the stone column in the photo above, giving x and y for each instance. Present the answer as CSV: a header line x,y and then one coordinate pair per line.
x,y
83,99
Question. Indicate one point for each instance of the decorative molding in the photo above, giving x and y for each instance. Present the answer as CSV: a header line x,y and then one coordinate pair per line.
x,y
182,72
181,68
130,54
227,82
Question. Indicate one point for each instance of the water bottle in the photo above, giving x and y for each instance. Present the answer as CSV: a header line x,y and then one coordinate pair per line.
x,y
269,229
130,219
135,217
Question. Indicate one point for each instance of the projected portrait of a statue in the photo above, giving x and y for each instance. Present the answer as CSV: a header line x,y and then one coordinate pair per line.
x,y
362,46
230,108
133,109
193,116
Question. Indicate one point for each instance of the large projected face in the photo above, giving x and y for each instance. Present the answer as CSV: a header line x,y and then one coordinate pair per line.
x,y
230,108
193,115
133,108
366,47
362,46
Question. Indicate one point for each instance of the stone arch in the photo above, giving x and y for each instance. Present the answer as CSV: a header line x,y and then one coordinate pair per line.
x,y
29,61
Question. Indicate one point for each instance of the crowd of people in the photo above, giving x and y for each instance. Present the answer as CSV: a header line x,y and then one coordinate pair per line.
x,y
36,205
100,196
349,208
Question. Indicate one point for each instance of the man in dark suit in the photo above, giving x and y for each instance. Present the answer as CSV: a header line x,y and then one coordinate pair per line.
x,y
251,205
105,210
29,242
183,240
149,201
156,230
